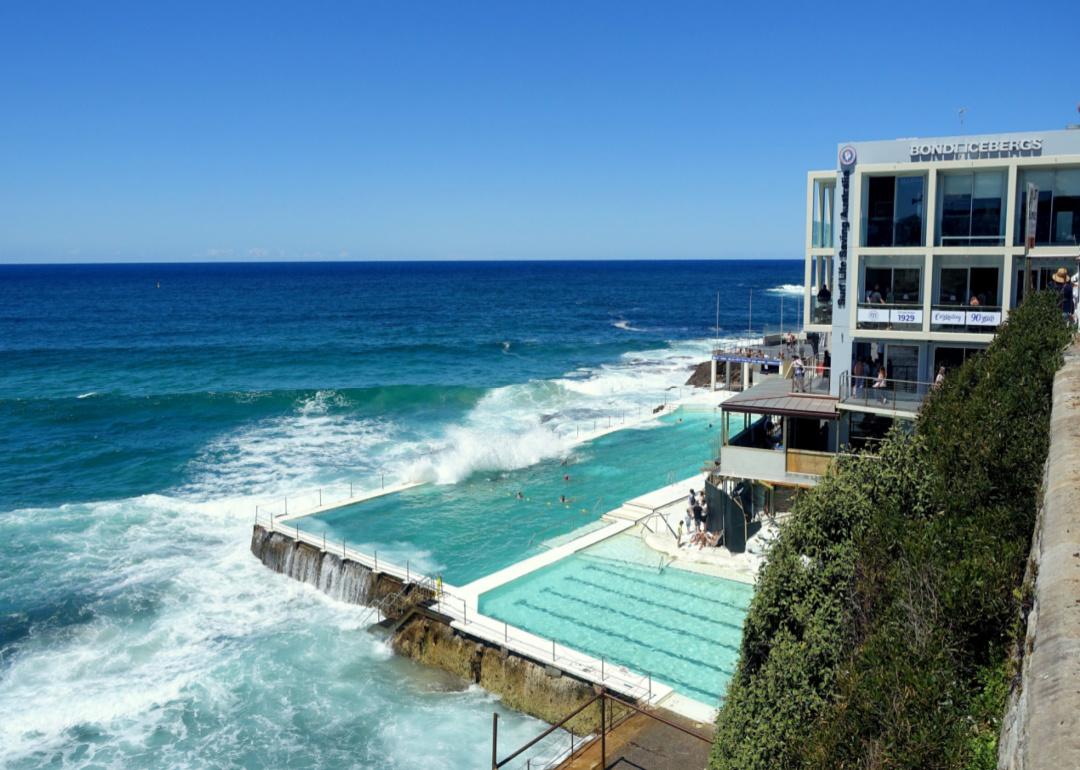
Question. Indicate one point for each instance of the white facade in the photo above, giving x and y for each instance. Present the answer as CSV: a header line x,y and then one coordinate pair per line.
x,y
935,243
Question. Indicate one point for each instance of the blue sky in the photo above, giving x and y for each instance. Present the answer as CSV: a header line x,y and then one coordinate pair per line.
x,y
457,130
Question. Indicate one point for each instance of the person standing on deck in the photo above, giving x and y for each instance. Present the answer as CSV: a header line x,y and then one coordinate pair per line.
x,y
799,370
1063,287
880,384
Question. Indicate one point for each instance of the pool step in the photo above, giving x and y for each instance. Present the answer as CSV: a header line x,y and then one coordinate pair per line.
x,y
627,512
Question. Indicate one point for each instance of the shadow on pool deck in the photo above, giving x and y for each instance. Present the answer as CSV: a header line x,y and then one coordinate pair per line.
x,y
641,743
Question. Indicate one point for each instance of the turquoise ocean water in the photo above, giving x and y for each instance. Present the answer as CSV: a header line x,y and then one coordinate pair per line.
x,y
146,410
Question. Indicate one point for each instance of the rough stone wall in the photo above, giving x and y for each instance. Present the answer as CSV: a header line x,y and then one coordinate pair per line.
x,y
522,684
1041,729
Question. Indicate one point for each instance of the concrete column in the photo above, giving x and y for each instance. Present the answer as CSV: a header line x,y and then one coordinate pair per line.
x,y
745,376
712,387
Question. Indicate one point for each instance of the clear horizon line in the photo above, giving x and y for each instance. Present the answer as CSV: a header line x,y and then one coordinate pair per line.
x,y
392,261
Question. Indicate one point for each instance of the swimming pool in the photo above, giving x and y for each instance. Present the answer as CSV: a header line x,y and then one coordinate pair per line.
x,y
617,601
466,530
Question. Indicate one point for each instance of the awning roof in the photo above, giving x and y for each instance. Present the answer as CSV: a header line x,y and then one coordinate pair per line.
x,y
774,396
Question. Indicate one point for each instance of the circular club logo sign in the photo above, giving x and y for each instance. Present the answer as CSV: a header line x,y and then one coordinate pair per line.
x,y
847,155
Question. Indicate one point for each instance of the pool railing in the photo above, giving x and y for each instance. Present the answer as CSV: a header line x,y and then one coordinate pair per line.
x,y
456,609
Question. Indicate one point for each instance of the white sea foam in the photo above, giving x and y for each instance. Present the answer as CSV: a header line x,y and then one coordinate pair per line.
x,y
520,425
284,454
86,395
787,288
184,625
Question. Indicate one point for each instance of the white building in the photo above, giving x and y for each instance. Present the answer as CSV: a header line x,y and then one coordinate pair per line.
x,y
916,250
922,245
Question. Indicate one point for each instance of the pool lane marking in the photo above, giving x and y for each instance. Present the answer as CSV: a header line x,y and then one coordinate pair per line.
x,y
622,661
651,622
665,607
669,589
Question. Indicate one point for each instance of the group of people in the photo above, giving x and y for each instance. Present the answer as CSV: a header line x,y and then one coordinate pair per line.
x,y
697,522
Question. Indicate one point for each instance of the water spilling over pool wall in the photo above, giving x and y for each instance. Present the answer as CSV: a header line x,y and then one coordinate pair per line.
x,y
337,577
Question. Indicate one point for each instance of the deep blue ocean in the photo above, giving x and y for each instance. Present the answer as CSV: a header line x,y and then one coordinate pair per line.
x,y
146,409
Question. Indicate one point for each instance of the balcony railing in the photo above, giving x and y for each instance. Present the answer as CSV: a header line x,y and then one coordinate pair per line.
x,y
972,319
820,312
815,380
906,317
971,240
894,394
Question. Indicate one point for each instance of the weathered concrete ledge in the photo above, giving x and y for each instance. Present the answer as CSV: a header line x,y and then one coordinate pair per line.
x,y
1041,728
525,685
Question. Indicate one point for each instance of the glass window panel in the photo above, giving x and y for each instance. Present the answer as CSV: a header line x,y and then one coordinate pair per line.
x,y
984,285
956,209
1066,213
876,281
987,207
880,197
953,286
909,211
905,288
1044,180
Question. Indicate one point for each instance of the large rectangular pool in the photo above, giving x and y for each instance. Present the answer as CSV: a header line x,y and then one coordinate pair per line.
x,y
470,529
616,600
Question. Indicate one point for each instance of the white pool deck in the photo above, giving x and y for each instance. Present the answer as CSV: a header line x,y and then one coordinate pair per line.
x,y
460,603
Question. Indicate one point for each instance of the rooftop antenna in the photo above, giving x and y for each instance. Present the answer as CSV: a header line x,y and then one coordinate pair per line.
x,y
960,114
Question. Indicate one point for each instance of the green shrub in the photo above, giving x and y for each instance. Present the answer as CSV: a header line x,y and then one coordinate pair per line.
x,y
878,633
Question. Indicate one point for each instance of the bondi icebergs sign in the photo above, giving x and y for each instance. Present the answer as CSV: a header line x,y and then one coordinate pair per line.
x,y
976,148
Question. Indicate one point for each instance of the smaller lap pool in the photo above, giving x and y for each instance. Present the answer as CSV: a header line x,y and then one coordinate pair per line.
x,y
617,600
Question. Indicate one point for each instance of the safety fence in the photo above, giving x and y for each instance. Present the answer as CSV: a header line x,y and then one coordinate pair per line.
x,y
613,712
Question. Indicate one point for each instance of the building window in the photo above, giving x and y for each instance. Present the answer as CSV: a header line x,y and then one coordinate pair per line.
x,y
971,209
894,211
1058,220
822,226
890,294
952,358
966,294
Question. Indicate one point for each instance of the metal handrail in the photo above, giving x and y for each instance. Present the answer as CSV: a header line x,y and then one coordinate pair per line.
x,y
663,518
558,725
810,374
864,389
605,727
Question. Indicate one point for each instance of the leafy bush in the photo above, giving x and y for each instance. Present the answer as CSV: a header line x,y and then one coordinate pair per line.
x,y
877,637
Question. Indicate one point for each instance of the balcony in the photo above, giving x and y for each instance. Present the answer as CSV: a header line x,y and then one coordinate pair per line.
x,y
889,316
904,398
820,312
978,319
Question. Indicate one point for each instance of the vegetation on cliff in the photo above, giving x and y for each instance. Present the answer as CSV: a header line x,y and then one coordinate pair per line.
x,y
879,634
